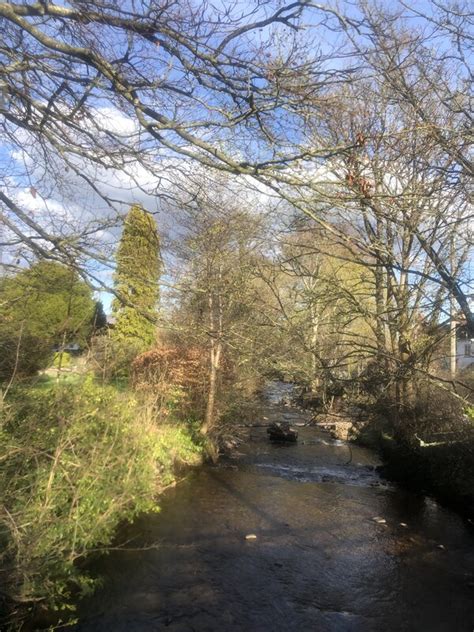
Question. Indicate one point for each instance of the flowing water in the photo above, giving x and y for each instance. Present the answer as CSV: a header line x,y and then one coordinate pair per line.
x,y
320,562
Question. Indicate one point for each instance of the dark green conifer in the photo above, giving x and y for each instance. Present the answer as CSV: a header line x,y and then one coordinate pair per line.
x,y
136,279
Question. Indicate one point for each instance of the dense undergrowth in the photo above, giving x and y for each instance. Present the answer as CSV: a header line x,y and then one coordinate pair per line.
x,y
77,459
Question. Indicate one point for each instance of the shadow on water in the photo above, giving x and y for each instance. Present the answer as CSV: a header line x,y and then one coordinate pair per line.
x,y
320,561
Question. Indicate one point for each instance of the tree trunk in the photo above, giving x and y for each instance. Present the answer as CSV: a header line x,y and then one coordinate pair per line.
x,y
216,350
215,332
315,381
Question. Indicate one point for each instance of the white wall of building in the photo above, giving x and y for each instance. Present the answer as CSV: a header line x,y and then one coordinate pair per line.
x,y
464,353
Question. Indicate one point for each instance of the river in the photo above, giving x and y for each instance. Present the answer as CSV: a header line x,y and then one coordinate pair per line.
x,y
320,561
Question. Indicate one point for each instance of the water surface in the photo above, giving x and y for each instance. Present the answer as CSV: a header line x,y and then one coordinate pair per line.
x,y
320,561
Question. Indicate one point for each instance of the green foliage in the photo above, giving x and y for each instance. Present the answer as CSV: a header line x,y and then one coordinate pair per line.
x,y
62,359
41,306
112,358
136,279
176,445
76,460
21,353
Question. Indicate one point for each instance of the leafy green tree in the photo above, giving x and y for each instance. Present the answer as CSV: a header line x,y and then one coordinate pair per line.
x,y
42,306
136,280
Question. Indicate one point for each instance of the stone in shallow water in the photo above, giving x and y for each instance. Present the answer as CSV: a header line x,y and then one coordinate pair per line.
x,y
282,431
251,536
379,520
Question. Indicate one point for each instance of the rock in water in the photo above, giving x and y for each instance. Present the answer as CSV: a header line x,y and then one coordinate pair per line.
x,y
251,536
281,431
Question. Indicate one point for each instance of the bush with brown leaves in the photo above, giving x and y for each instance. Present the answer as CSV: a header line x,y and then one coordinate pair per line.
x,y
175,376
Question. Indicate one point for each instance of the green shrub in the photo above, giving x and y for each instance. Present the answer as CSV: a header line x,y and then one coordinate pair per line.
x,y
76,460
112,359
21,355
62,359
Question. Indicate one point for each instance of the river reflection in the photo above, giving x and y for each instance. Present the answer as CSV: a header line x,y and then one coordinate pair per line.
x,y
320,562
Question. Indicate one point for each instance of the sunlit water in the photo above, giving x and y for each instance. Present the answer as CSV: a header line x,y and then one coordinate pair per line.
x,y
320,562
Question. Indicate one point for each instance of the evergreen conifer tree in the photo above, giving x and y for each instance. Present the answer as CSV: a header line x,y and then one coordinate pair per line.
x,y
40,307
136,279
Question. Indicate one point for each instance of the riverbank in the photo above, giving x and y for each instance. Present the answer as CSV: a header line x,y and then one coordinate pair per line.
x,y
446,472
78,459
442,468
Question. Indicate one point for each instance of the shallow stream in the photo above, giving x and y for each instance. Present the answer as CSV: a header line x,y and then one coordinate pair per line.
x,y
320,561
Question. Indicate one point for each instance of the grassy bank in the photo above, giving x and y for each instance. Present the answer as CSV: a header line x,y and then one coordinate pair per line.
x,y
77,458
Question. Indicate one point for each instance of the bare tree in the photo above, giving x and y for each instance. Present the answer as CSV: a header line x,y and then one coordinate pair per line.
x,y
92,90
215,242
426,73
